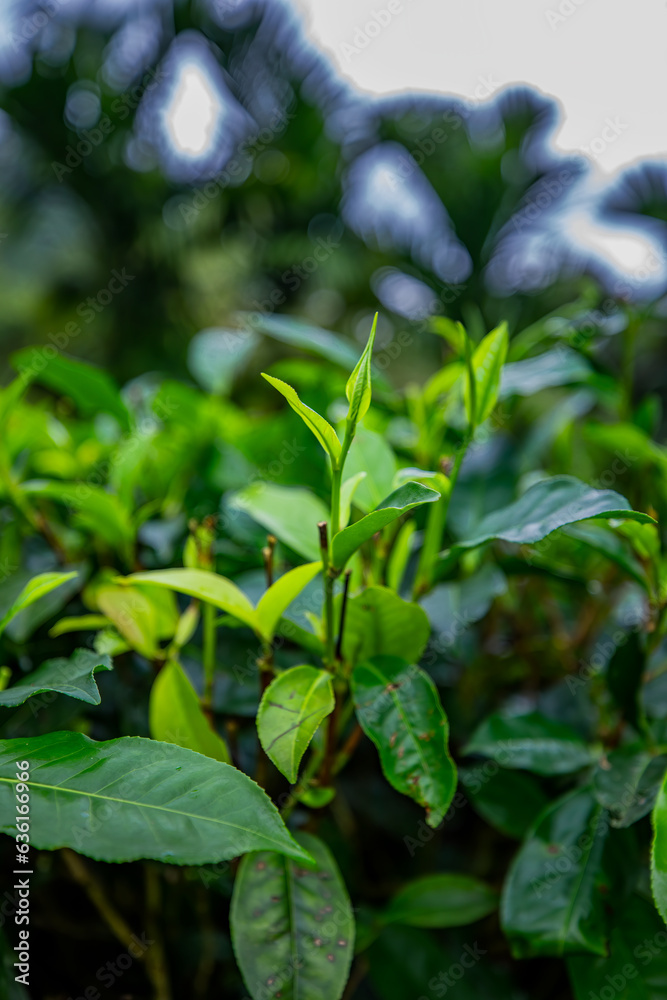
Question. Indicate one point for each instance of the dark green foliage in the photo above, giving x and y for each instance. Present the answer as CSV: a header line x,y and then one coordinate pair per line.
x,y
303,671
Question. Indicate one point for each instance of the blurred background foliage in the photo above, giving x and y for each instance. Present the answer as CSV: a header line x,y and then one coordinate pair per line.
x,y
207,151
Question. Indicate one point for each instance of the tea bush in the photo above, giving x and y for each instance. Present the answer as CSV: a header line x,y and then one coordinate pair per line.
x,y
361,696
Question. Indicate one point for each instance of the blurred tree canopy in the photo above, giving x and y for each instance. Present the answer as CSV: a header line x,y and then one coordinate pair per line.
x,y
304,197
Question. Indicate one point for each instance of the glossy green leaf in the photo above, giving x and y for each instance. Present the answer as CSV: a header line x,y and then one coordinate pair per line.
x,y
405,498
626,782
175,715
132,798
288,512
546,506
510,801
442,900
636,966
291,710
398,707
531,742
292,927
40,585
73,677
553,900
279,596
202,584
358,388
91,389
487,363
320,427
378,621
659,851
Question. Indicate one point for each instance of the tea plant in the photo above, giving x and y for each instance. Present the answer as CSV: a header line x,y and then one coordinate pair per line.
x,y
445,561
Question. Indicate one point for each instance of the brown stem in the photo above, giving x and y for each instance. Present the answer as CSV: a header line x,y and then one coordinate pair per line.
x,y
156,958
266,673
330,752
267,555
358,974
343,609
348,748
96,894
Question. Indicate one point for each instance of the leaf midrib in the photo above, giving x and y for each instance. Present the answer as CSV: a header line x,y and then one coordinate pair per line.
x,y
409,727
569,913
138,805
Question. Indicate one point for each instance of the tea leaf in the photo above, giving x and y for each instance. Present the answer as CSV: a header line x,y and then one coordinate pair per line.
x,y
175,715
290,713
73,676
398,707
132,798
320,427
292,926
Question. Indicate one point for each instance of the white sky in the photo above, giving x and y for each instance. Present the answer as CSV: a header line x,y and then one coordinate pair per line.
x,y
604,61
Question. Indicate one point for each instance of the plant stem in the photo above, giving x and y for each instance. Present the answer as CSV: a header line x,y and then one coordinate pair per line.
x,y
305,781
156,957
435,526
154,961
348,748
343,609
328,596
95,891
332,739
336,478
267,555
